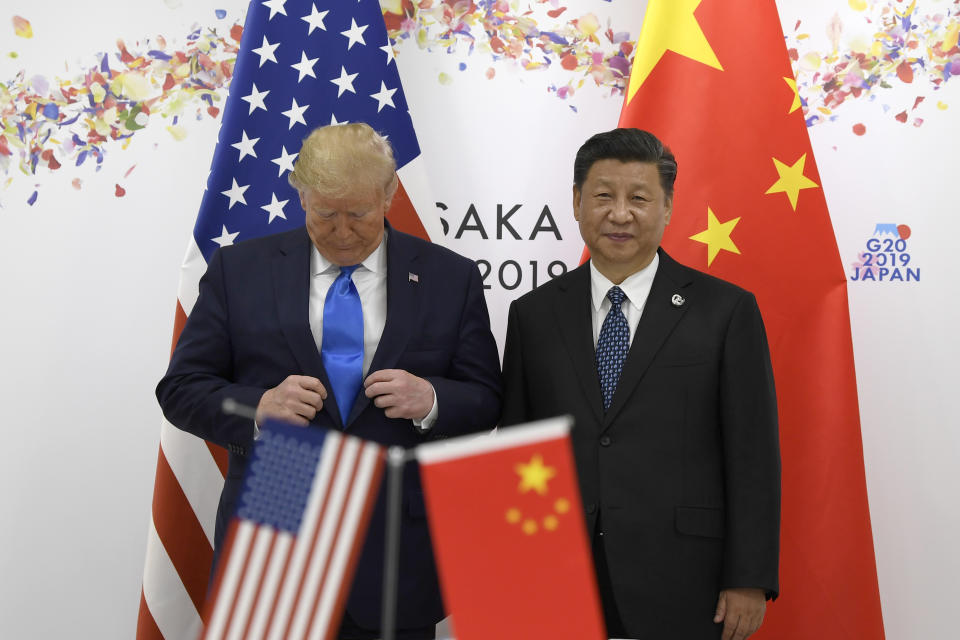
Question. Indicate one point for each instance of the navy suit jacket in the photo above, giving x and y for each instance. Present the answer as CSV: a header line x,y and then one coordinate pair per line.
x,y
249,330
684,465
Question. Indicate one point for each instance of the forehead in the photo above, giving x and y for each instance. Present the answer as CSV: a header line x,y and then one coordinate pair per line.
x,y
631,172
359,201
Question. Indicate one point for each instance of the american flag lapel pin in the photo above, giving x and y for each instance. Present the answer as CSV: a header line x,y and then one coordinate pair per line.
x,y
412,277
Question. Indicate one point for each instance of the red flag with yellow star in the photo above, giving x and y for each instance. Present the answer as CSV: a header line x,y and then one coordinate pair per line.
x,y
509,535
712,79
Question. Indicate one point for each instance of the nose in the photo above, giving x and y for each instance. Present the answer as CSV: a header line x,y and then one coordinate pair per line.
x,y
341,226
620,212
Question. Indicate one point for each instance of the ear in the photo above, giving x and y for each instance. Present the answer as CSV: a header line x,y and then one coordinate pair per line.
x,y
669,210
576,202
303,201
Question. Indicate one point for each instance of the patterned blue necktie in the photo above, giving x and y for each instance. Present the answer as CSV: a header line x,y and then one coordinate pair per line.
x,y
612,346
342,348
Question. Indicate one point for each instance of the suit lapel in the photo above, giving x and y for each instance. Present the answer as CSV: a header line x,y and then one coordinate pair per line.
x,y
573,313
659,318
291,281
403,306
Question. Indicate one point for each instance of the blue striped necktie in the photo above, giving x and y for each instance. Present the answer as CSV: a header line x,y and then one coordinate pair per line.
x,y
612,346
342,348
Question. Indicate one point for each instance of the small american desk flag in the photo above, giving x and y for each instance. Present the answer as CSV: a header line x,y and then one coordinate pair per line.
x,y
292,546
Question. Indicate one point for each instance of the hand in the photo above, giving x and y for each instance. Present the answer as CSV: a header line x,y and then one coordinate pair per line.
x,y
740,611
295,400
400,393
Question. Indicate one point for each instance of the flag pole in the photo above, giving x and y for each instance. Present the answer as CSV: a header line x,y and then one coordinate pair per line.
x,y
396,458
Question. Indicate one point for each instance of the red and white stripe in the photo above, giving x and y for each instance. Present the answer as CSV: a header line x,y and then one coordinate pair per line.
x,y
186,492
277,586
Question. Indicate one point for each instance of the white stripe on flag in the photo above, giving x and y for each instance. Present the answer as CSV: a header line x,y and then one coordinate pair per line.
x,y
271,584
416,183
166,597
193,267
324,544
196,471
251,581
231,580
333,584
304,540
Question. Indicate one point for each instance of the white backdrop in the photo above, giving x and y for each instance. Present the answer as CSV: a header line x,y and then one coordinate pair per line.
x,y
89,282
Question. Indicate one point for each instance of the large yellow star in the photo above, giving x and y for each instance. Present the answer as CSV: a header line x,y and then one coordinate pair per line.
x,y
796,94
534,475
791,180
669,25
717,236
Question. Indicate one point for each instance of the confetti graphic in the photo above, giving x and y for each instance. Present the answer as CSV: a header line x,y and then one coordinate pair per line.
x,y
894,44
538,34
50,123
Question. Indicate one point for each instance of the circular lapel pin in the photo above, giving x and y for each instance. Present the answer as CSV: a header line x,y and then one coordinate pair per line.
x,y
677,300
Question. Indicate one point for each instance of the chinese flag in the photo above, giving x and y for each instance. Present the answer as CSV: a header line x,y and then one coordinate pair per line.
x,y
712,79
509,535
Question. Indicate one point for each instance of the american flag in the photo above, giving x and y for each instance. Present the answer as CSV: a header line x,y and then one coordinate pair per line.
x,y
301,65
292,546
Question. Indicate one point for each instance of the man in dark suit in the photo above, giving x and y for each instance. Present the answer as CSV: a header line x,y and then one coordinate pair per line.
x,y
667,374
346,324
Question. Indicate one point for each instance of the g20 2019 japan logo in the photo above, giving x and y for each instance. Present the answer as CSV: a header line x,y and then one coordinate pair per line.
x,y
886,256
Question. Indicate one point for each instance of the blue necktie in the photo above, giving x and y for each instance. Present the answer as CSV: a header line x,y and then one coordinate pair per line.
x,y
342,348
612,346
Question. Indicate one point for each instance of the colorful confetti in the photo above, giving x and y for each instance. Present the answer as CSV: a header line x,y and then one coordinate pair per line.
x,y
51,122
22,28
903,46
536,34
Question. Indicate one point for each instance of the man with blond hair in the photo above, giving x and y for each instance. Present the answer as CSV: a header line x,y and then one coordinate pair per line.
x,y
345,324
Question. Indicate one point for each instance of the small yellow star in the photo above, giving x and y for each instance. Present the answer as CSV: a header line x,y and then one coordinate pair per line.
x,y
791,180
717,236
534,475
669,25
796,94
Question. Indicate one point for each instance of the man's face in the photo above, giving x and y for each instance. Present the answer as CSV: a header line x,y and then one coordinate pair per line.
x,y
345,230
622,211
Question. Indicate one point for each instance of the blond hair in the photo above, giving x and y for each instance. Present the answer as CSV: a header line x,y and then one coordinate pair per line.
x,y
339,160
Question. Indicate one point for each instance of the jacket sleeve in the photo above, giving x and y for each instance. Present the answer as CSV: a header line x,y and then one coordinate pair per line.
x,y
751,452
514,384
468,396
201,371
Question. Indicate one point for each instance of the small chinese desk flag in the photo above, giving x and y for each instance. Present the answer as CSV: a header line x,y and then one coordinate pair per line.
x,y
292,546
509,534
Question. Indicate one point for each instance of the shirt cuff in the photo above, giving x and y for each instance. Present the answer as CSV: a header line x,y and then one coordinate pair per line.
x,y
427,422
256,431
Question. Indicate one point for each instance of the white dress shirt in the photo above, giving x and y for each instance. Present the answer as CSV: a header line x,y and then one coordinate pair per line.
x,y
370,278
637,289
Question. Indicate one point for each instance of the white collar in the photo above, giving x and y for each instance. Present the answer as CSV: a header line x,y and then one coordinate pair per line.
x,y
376,262
636,285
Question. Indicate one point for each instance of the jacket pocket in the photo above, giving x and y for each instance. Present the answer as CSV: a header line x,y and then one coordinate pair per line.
x,y
700,521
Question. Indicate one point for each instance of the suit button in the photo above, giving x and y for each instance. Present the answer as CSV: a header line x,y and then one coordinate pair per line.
x,y
605,441
591,508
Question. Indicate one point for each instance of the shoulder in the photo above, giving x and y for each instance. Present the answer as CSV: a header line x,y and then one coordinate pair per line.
x,y
576,281
426,251
263,246
704,283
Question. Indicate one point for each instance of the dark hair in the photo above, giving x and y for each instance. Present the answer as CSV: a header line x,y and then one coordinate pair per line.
x,y
626,145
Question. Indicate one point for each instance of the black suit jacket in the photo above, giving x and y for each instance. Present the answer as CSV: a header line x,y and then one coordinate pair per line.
x,y
685,464
250,329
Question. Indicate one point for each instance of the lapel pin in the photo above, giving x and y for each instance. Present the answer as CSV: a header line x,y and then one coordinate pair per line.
x,y
412,277
677,300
